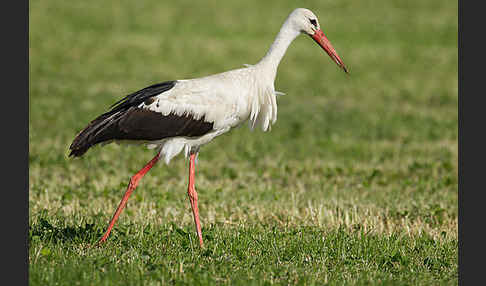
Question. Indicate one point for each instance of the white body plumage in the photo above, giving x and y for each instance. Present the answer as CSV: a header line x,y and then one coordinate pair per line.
x,y
227,99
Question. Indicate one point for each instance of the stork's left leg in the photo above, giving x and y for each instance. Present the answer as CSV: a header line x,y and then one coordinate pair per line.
x,y
131,186
191,191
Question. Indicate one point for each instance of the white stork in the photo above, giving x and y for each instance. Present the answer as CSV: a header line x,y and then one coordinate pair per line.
x,y
186,114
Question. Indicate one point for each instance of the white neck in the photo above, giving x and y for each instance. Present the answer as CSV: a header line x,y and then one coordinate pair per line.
x,y
269,63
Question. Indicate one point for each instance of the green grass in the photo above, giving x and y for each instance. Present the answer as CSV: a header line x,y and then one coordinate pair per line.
x,y
366,194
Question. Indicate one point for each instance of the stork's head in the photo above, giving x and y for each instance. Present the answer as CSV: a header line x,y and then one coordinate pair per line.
x,y
306,22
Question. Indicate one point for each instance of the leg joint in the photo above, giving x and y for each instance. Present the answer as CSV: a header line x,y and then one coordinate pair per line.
x,y
192,194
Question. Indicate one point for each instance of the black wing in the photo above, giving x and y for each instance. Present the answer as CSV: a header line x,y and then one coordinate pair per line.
x,y
125,121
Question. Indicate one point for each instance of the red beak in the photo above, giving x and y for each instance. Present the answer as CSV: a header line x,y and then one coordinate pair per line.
x,y
321,39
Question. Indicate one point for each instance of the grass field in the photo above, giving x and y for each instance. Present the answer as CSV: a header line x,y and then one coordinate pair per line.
x,y
356,184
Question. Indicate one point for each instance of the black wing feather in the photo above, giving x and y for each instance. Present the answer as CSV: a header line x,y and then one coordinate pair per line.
x,y
125,121
134,99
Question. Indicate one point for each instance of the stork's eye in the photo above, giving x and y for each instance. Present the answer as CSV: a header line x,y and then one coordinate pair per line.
x,y
313,22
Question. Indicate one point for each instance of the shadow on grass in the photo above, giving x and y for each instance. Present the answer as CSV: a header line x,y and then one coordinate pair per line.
x,y
45,231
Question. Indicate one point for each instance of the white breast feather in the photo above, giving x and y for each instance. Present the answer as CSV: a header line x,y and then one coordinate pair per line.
x,y
264,108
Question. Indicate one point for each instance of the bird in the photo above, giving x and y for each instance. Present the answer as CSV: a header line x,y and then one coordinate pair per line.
x,y
184,115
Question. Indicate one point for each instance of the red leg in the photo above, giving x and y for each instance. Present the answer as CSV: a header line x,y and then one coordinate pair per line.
x,y
131,186
191,191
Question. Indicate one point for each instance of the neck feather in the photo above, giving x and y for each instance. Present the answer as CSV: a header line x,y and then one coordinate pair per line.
x,y
277,50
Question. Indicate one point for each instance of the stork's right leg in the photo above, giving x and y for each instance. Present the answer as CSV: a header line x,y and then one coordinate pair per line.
x,y
131,186
191,191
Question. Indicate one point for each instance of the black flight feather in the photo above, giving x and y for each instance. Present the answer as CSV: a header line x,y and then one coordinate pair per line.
x,y
125,121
